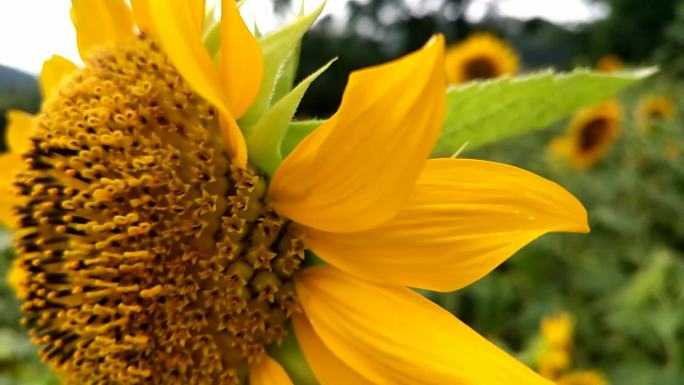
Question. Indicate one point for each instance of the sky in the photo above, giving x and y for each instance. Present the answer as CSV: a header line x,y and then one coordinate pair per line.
x,y
31,31
557,11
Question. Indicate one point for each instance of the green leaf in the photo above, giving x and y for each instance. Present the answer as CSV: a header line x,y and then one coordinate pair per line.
x,y
277,47
484,112
296,132
265,138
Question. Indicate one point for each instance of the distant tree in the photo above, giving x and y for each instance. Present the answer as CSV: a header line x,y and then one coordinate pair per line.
x,y
375,32
634,30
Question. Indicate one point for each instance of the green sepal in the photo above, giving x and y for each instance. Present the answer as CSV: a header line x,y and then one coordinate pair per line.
x,y
255,28
265,138
210,20
276,47
485,112
297,131
287,75
212,40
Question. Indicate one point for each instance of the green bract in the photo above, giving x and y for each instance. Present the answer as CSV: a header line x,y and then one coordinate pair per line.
x,y
277,47
265,137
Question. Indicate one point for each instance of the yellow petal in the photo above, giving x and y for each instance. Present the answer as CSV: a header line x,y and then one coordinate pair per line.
x,y
141,14
176,29
10,163
329,370
392,335
236,144
463,218
267,371
16,278
197,12
19,126
359,167
242,63
98,22
53,72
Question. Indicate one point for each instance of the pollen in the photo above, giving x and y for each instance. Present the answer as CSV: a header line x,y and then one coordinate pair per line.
x,y
148,257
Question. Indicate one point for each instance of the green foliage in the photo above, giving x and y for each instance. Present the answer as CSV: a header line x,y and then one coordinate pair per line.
x,y
265,139
297,131
486,112
623,282
632,30
278,48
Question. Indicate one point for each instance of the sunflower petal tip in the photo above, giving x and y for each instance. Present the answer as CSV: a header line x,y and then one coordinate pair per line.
x,y
436,45
437,38
578,217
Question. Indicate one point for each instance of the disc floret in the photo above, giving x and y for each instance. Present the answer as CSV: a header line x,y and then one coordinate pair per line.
x,y
149,257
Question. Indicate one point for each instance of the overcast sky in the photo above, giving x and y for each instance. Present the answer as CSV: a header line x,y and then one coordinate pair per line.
x,y
33,30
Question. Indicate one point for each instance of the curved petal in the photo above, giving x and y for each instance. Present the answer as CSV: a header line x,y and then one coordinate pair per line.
x,y
361,164
141,14
392,335
329,370
267,371
10,163
176,29
197,11
463,218
242,63
54,70
98,22
18,132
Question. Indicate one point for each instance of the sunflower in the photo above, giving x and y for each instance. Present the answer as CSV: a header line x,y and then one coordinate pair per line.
x,y
673,149
590,134
155,252
555,355
557,337
558,331
652,108
609,63
480,56
582,378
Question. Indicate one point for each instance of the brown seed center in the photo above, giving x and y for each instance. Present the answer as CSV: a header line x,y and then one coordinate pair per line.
x,y
592,134
480,68
150,259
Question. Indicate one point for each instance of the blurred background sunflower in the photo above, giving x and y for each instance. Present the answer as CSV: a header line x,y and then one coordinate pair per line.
x,y
478,57
590,133
652,108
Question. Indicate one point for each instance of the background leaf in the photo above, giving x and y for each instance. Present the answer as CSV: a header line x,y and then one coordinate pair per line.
x,y
489,111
